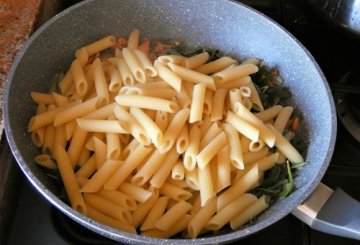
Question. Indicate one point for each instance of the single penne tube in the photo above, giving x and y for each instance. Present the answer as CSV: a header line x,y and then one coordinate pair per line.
x,y
60,136
101,113
173,230
182,141
82,55
148,124
113,144
76,145
218,102
42,98
45,160
155,213
79,78
38,135
193,76
243,126
236,83
216,65
282,118
267,162
195,61
204,124
149,168
69,180
175,59
129,148
145,62
255,98
285,147
70,129
75,111
90,141
269,114
108,207
168,76
209,94
65,82
161,93
156,83
179,183
162,120
124,70
192,178
256,146
236,155
84,156
223,169
245,142
99,45
254,61
143,209
238,188
213,172
129,165
102,126
48,117
193,148
60,100
109,221
174,192
173,215
119,198
100,152
214,130
174,129
178,171
210,150
234,72
146,102
137,193
133,40
101,86
206,186
230,211
252,211
49,135
88,168
162,174
132,125
251,157
196,203
115,78
245,91
234,96
197,103
134,65
201,218
101,176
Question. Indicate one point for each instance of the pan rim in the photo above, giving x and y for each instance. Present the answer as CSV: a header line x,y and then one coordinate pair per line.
x,y
131,238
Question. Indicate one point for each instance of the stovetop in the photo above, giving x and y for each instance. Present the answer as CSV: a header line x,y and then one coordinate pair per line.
x,y
336,51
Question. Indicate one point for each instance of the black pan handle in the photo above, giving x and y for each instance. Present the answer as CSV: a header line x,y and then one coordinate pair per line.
x,y
333,212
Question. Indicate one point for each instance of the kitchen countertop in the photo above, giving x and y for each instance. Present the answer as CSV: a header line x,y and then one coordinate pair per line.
x,y
18,19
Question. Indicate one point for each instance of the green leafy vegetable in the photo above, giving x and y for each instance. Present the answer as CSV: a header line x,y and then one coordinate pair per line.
x,y
182,50
278,182
270,87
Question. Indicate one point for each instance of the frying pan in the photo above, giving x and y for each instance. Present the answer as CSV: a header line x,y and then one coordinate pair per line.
x,y
225,25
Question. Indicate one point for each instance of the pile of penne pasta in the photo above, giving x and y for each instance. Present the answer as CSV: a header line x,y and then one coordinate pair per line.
x,y
160,147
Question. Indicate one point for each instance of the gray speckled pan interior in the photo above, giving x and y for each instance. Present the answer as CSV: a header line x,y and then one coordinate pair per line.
x,y
225,25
